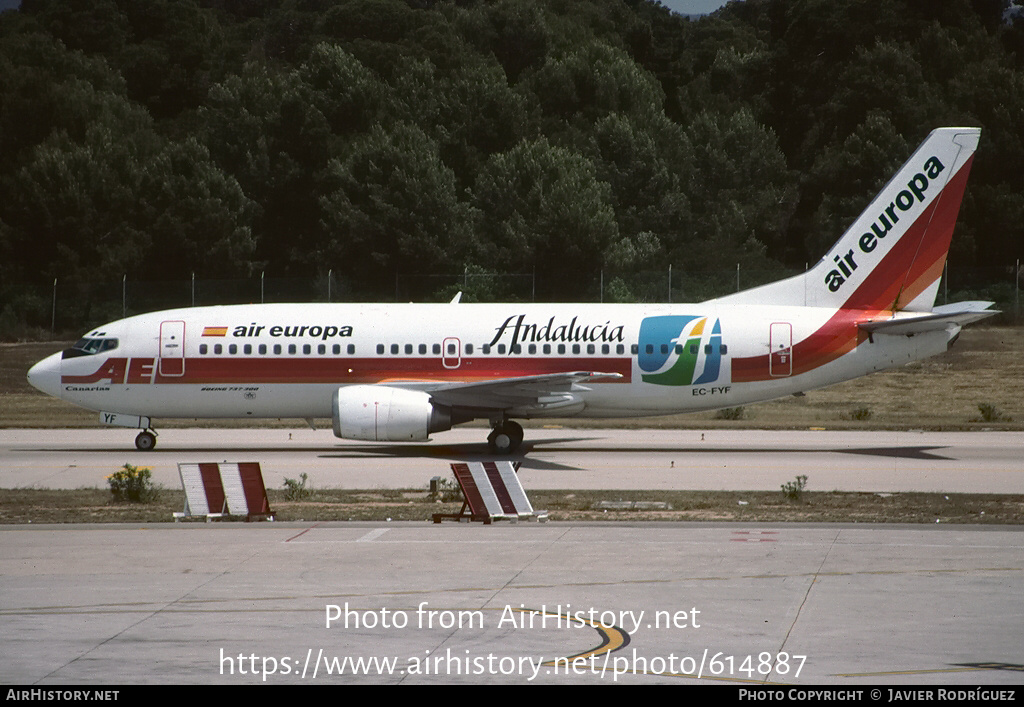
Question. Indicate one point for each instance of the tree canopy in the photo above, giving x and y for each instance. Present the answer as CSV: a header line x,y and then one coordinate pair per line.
x,y
372,138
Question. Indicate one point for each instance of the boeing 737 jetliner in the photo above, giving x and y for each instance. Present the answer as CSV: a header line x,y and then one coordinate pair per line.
x,y
390,372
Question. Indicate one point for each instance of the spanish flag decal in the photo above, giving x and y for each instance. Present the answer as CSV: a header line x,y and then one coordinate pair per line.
x,y
215,331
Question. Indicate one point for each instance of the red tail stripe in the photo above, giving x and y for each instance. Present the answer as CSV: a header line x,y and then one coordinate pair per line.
x,y
907,270
900,274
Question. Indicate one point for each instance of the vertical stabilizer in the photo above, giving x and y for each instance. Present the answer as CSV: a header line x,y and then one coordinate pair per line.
x,y
892,257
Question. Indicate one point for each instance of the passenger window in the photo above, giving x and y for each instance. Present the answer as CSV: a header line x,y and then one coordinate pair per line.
x,y
291,349
469,348
277,349
532,348
486,348
351,349
693,349
723,349
263,348
247,349
202,349
322,349
394,349
436,349
575,348
218,349
423,349
620,349
547,348
561,348
590,349
501,348
380,348
605,349
408,349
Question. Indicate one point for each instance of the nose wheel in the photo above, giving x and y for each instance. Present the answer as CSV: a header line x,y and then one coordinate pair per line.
x,y
145,441
505,438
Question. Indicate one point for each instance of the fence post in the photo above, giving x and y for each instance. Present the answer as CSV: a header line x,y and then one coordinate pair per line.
x,y
53,315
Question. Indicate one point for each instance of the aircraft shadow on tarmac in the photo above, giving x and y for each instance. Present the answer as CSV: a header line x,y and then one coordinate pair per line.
x,y
461,453
479,451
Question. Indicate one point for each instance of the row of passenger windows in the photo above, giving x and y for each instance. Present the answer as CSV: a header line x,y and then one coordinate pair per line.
x,y
277,349
451,349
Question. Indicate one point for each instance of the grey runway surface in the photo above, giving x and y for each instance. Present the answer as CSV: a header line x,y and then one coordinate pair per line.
x,y
511,604
965,462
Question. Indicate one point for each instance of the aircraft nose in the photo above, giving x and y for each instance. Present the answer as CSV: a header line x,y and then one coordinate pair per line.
x,y
45,375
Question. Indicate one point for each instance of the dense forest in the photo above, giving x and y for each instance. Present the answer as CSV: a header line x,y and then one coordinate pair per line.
x,y
573,140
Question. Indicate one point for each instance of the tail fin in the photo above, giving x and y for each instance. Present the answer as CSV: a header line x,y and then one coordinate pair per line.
x,y
892,257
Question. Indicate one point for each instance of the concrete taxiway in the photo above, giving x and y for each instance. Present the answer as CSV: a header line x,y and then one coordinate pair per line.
x,y
964,462
299,603
558,603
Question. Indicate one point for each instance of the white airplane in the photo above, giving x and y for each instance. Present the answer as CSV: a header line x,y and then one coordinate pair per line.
x,y
390,372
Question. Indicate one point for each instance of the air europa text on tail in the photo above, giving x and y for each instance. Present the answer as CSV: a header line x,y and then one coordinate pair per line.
x,y
884,222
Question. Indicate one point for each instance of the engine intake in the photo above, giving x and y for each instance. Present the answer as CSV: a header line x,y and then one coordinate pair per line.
x,y
384,414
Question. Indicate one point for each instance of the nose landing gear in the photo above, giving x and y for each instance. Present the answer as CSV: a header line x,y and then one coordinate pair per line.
x,y
145,441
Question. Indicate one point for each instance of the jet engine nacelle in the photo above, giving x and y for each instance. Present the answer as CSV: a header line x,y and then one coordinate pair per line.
x,y
384,414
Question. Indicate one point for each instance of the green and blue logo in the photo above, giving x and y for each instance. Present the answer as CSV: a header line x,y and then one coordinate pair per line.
x,y
680,350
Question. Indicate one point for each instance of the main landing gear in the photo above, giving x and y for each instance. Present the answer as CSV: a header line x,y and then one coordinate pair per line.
x,y
505,438
145,441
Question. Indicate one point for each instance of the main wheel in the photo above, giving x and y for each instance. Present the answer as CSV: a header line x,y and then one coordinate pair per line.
x,y
145,441
505,438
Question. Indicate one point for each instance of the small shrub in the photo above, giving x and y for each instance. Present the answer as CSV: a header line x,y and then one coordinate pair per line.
x,y
132,484
448,491
794,489
296,490
860,414
990,413
730,414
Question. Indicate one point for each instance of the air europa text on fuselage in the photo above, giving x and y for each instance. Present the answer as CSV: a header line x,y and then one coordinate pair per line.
x,y
572,332
884,222
315,331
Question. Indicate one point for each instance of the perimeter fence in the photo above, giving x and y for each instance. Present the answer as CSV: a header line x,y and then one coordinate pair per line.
x,y
70,307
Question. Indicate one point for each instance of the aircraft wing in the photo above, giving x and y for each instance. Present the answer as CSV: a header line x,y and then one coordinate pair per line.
x,y
957,314
547,391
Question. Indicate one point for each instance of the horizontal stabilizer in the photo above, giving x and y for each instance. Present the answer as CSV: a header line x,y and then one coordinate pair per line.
x,y
957,314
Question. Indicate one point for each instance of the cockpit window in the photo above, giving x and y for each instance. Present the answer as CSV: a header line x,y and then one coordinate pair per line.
x,y
95,346
89,346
